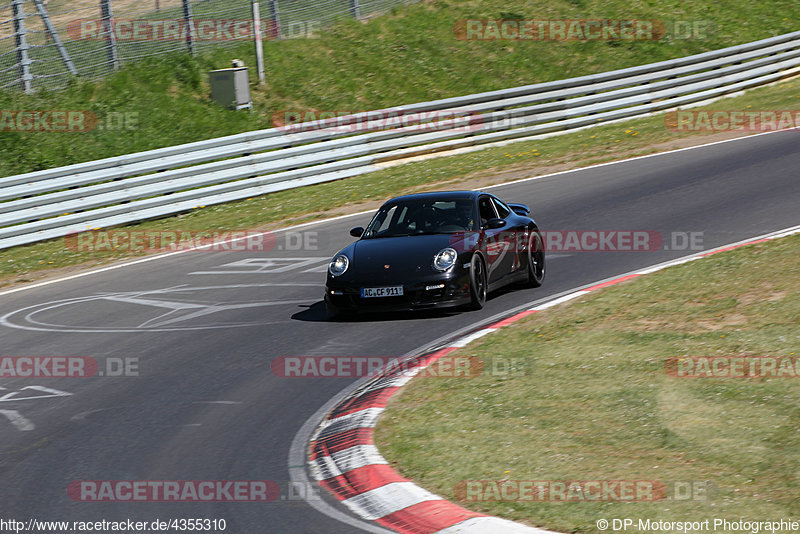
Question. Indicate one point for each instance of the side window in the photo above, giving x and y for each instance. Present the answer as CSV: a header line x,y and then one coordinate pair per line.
x,y
486,209
502,209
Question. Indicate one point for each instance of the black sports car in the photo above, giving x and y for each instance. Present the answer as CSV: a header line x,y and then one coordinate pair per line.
x,y
433,250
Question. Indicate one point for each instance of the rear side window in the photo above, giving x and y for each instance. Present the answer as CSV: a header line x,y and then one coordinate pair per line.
x,y
502,210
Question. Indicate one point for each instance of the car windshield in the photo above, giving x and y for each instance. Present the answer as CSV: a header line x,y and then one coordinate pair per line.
x,y
422,216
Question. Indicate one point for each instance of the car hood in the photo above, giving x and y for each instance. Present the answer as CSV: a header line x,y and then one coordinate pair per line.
x,y
408,253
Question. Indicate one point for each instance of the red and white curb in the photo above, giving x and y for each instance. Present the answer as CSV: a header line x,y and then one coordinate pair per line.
x,y
346,462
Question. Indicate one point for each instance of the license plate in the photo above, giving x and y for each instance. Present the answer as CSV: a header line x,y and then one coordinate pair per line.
x,y
394,291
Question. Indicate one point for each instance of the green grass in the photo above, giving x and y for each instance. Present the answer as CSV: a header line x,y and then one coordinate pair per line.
x,y
527,158
596,403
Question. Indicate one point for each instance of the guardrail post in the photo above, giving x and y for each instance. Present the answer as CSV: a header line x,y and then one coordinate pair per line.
x,y
189,24
21,41
354,9
111,38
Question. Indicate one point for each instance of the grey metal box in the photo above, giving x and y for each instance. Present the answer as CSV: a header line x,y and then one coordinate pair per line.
x,y
231,87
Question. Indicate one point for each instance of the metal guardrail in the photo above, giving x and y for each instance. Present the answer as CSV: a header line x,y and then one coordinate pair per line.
x,y
61,201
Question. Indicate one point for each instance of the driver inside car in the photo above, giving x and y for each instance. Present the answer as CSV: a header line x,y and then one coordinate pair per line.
x,y
420,220
463,215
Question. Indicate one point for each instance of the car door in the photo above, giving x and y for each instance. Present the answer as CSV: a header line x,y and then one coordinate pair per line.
x,y
510,261
496,247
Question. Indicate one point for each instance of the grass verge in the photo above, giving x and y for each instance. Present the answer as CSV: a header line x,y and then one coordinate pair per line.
x,y
471,170
597,403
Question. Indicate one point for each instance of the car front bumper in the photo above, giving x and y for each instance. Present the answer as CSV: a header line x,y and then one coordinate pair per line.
x,y
417,295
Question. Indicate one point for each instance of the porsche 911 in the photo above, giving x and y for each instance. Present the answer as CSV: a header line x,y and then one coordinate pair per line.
x,y
436,250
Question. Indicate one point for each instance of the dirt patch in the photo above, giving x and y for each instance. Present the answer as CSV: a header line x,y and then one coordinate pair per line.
x,y
766,294
730,319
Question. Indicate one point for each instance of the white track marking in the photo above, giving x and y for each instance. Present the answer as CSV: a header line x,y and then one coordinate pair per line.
x,y
11,397
16,419
265,265
559,300
464,341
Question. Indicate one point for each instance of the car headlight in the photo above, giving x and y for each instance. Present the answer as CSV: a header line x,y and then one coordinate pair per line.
x,y
338,265
444,259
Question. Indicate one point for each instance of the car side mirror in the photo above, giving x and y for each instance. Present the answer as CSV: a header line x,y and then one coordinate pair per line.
x,y
357,231
495,223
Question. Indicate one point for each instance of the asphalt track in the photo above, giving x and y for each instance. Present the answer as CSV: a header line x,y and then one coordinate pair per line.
x,y
205,327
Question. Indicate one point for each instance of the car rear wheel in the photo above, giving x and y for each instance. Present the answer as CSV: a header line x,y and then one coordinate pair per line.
x,y
536,264
477,272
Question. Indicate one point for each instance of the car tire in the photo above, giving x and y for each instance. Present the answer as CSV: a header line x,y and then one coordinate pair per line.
x,y
536,262
477,283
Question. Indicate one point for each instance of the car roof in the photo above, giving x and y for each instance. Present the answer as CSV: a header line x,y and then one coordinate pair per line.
x,y
438,195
